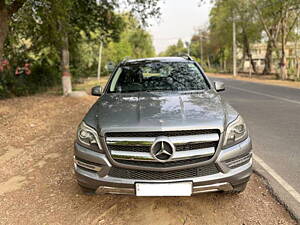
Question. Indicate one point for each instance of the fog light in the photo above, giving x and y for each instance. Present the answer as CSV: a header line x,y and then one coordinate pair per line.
x,y
238,161
87,165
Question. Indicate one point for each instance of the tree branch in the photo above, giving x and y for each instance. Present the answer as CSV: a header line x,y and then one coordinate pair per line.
x,y
253,2
2,4
15,6
291,27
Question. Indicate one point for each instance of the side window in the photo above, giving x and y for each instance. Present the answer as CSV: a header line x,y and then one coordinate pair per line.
x,y
115,79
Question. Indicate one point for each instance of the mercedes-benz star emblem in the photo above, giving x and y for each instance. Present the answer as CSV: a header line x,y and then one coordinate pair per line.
x,y
162,149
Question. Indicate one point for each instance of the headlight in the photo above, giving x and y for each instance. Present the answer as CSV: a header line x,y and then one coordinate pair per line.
x,y
88,136
235,132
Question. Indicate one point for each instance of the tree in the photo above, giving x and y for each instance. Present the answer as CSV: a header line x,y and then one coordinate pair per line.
x,y
278,18
57,23
175,50
141,43
134,42
7,10
202,48
248,29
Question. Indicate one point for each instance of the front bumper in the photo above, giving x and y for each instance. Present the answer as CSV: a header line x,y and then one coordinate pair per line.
x,y
225,180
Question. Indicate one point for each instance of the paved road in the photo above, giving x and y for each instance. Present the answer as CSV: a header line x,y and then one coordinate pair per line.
x,y
273,117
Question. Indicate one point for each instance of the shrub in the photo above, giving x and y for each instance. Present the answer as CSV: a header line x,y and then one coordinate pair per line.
x,y
40,78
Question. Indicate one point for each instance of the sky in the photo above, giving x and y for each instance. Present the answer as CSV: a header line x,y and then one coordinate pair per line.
x,y
179,19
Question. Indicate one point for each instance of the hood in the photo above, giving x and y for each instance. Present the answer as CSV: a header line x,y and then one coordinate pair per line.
x,y
157,111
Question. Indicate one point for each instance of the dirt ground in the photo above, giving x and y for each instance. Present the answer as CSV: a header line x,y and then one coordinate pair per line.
x,y
37,184
268,79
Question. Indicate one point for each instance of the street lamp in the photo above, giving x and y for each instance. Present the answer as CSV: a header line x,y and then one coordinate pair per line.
x,y
99,60
188,45
234,45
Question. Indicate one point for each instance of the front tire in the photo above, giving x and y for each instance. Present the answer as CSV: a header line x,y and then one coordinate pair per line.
x,y
237,189
86,190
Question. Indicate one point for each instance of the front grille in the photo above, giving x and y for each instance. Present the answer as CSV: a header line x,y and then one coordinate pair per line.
x,y
161,133
163,165
157,175
133,148
127,148
194,146
146,148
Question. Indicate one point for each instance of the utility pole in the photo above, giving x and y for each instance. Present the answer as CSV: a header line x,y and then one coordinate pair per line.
x,y
201,44
188,45
99,60
234,46
296,49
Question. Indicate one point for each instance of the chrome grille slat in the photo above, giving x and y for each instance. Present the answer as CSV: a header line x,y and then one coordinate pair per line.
x,y
161,133
178,140
145,148
146,156
203,138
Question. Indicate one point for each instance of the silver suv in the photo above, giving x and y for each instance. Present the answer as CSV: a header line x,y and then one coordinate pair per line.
x,y
160,128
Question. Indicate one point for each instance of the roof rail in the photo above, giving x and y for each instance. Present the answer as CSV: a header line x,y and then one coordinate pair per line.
x,y
186,56
125,59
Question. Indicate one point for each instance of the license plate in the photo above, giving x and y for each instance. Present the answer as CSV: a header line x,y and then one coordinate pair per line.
x,y
164,189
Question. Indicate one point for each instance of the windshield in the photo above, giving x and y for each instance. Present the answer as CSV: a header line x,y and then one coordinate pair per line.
x,y
157,76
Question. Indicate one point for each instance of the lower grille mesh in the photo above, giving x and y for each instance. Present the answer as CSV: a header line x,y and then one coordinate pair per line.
x,y
168,175
163,165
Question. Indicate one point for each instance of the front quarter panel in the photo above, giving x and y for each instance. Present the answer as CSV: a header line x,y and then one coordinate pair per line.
x,y
91,118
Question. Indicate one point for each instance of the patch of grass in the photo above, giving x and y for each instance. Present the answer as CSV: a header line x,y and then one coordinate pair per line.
x,y
89,83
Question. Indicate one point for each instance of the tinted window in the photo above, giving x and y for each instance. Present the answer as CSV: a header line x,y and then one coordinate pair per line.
x,y
158,76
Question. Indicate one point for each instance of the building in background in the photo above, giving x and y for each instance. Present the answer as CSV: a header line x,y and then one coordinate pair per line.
x,y
258,54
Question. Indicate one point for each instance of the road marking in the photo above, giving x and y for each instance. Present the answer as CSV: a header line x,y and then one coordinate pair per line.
x,y
278,178
267,95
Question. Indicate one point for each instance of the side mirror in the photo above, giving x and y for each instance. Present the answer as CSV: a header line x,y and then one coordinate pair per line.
x,y
219,86
97,91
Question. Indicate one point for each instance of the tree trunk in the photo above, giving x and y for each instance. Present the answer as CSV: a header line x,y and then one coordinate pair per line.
x,y
248,52
234,53
268,59
296,53
297,63
283,69
208,62
65,64
4,18
298,69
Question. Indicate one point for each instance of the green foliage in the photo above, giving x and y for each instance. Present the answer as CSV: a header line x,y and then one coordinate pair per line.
x,y
141,43
134,42
273,21
41,78
249,29
39,30
175,50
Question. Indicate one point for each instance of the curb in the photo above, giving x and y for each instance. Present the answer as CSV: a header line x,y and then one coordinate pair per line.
x,y
279,192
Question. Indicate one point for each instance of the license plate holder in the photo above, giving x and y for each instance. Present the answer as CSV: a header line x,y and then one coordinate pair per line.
x,y
164,189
